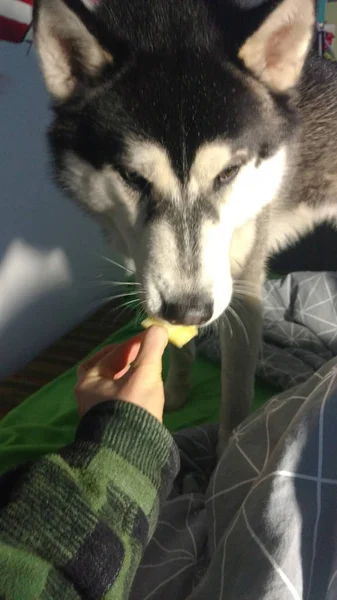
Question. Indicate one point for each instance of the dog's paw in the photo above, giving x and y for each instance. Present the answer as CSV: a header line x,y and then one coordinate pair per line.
x,y
176,397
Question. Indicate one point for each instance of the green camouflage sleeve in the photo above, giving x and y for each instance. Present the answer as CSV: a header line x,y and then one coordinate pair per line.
x,y
75,524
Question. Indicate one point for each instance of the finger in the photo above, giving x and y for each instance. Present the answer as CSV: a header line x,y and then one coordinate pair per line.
x,y
92,361
119,359
130,359
154,342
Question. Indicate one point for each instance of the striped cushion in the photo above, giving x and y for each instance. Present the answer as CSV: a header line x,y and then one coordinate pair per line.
x,y
15,19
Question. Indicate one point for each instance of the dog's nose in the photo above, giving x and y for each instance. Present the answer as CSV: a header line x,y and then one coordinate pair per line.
x,y
190,311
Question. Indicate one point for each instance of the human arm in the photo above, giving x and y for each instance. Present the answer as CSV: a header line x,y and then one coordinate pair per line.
x,y
75,524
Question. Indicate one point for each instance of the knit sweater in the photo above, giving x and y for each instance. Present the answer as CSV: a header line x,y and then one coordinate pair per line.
x,y
75,524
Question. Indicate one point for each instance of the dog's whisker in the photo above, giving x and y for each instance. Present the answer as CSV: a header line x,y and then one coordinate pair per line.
x,y
143,307
244,284
244,287
216,326
112,285
115,297
229,324
239,321
247,281
111,261
245,290
240,300
245,294
98,278
141,314
121,307
244,297
115,283
128,303
131,305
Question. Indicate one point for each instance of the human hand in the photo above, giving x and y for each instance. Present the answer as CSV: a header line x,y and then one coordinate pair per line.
x,y
131,371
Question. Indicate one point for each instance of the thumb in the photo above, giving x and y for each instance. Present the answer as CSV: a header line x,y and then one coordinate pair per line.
x,y
152,347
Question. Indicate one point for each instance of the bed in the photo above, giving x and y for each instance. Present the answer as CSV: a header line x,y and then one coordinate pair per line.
x,y
242,528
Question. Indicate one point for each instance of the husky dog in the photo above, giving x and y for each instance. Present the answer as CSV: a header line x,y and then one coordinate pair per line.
x,y
201,136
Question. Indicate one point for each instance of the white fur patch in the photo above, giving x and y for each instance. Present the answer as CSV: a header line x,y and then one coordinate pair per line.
x,y
253,188
152,162
89,184
241,245
226,245
210,160
103,193
162,275
215,269
287,227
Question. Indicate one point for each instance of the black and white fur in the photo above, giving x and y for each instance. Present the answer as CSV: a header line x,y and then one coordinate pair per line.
x,y
196,134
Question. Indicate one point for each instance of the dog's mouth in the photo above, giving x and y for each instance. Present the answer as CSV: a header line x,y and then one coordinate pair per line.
x,y
186,311
178,335
185,303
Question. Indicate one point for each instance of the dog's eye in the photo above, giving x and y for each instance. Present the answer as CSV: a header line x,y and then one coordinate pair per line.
x,y
226,176
135,180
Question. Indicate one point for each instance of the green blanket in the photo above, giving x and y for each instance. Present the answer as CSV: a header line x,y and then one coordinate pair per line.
x,y
47,420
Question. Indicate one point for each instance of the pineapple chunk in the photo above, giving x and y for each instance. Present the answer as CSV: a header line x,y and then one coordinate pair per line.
x,y
179,335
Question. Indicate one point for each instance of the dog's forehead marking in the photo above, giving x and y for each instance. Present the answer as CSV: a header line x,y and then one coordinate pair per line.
x,y
151,160
210,160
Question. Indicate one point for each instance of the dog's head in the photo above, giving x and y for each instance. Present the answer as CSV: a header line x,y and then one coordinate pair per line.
x,y
173,132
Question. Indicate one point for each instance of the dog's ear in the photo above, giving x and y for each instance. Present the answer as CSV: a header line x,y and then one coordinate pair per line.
x,y
277,51
69,53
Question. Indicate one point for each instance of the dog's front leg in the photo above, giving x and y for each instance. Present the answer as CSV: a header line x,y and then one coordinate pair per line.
x,y
240,337
179,379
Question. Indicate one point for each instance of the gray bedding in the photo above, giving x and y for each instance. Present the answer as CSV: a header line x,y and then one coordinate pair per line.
x,y
262,523
299,329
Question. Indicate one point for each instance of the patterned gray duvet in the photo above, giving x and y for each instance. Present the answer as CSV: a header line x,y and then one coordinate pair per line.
x,y
262,523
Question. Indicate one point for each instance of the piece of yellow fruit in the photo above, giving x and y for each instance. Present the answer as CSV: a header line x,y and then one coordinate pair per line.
x,y
179,335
